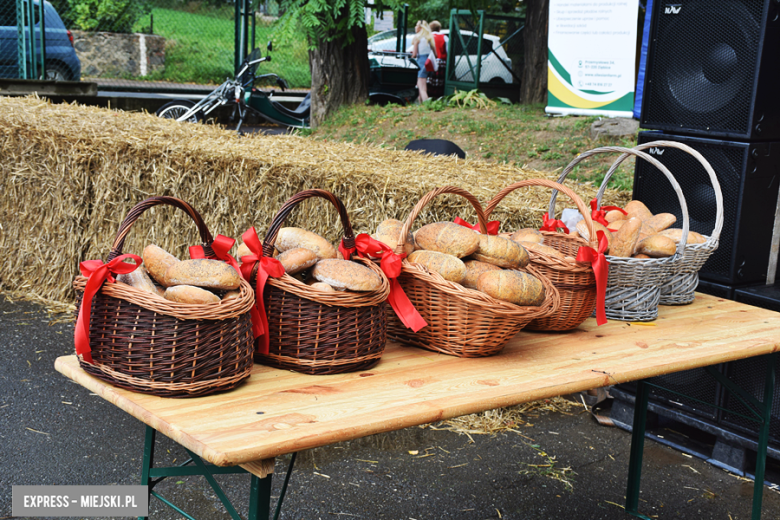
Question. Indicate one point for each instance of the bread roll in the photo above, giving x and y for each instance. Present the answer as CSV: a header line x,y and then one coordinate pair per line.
x,y
322,286
232,295
157,260
615,215
449,267
541,248
676,235
512,286
501,251
626,238
203,272
296,260
528,235
138,279
614,226
190,294
640,256
388,233
448,238
660,222
582,229
346,275
474,268
637,209
657,246
291,238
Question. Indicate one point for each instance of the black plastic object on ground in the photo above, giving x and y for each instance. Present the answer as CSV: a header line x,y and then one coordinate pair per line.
x,y
436,147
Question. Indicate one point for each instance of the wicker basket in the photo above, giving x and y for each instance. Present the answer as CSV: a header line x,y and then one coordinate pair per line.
x,y
145,343
461,322
634,284
317,332
574,280
680,286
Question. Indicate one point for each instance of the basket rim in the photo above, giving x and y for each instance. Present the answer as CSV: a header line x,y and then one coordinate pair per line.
x,y
222,310
337,298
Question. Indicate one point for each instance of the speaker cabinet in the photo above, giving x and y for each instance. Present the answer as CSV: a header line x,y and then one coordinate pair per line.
x,y
712,69
748,374
748,176
764,296
715,289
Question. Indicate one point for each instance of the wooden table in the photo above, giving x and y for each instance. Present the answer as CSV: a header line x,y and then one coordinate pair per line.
x,y
278,412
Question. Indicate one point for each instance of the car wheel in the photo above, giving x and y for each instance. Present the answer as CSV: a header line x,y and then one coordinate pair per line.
x,y
176,109
56,72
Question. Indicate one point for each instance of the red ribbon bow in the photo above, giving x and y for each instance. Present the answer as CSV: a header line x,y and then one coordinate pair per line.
x,y
97,272
220,246
265,267
551,224
492,226
391,265
600,215
600,271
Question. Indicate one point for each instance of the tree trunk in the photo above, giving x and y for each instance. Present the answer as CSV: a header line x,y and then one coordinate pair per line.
x,y
339,75
534,85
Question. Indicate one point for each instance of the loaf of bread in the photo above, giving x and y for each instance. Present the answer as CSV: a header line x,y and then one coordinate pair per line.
x,y
138,279
449,267
203,272
291,238
676,235
157,260
297,259
660,222
512,286
615,225
528,235
448,238
346,275
231,295
637,209
614,215
541,248
501,251
657,246
474,268
625,239
388,233
190,294
322,286
582,229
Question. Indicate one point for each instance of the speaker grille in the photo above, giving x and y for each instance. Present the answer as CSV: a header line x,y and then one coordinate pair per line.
x,y
652,188
748,374
696,384
704,60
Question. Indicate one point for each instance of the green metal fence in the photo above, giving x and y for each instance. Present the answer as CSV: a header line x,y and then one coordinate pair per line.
x,y
21,52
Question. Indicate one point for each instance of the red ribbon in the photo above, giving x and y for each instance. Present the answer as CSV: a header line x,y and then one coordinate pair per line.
x,y
551,224
492,226
97,272
220,246
391,265
265,267
600,271
600,215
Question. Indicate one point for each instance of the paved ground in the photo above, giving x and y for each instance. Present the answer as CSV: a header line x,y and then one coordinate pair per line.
x,y
55,432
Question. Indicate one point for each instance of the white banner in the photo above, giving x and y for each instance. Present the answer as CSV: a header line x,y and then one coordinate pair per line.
x,y
591,67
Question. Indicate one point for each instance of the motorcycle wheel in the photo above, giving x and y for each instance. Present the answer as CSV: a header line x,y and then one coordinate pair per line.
x,y
176,109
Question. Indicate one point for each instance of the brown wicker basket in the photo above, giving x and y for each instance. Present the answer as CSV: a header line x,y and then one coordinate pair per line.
x,y
461,322
575,280
145,343
317,332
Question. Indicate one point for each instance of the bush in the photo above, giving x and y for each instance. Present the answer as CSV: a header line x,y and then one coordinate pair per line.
x,y
106,15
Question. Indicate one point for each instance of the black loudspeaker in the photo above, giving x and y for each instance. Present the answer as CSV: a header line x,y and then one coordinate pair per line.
x,y
749,175
749,375
712,69
764,296
715,289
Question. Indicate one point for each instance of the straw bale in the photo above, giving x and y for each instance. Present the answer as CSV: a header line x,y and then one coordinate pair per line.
x,y
69,174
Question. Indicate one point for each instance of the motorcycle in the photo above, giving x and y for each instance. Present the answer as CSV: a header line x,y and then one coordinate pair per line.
x,y
241,93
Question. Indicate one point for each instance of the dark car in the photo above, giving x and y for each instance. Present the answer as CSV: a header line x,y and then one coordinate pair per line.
x,y
61,60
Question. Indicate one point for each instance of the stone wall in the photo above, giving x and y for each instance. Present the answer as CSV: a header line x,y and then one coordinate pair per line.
x,y
105,54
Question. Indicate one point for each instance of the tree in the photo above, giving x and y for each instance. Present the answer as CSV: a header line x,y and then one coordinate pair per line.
x,y
533,88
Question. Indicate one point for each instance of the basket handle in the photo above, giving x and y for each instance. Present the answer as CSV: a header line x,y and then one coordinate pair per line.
x,y
629,151
286,209
549,184
399,248
138,209
707,167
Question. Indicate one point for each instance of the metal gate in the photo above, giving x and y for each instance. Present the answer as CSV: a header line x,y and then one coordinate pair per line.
x,y
22,50
484,52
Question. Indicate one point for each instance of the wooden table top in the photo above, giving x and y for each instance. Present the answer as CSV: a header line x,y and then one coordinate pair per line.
x,y
278,411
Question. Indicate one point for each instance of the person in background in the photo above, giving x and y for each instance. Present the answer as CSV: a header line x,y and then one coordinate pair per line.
x,y
423,46
436,78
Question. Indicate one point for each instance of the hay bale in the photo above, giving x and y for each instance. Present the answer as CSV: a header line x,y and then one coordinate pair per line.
x,y
69,175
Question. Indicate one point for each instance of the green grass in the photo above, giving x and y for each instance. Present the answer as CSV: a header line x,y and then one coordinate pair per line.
x,y
200,48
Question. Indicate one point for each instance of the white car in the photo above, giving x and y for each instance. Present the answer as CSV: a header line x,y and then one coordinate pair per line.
x,y
492,69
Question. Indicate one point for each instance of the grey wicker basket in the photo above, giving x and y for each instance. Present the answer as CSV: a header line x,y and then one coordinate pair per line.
x,y
680,285
634,284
